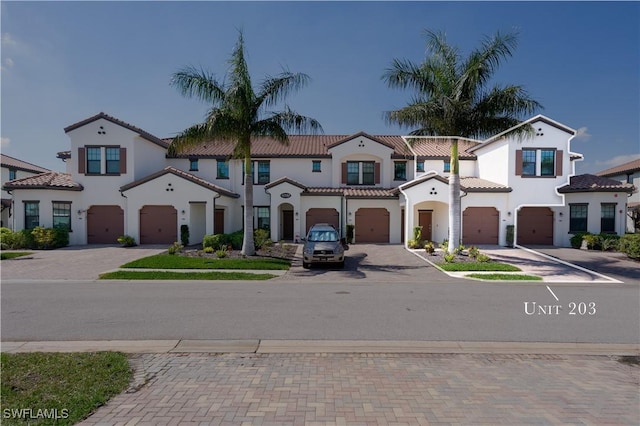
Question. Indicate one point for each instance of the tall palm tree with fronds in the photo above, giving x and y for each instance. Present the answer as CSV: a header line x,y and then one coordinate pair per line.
x,y
238,113
452,99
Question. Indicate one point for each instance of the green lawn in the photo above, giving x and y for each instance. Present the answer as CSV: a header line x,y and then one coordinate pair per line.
x,y
167,261
478,266
13,254
505,277
171,275
71,385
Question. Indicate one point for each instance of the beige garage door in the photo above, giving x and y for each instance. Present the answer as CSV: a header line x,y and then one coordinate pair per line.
x,y
104,224
158,225
480,225
372,225
535,226
329,216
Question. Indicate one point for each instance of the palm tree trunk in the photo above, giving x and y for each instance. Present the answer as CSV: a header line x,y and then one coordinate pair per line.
x,y
248,246
454,199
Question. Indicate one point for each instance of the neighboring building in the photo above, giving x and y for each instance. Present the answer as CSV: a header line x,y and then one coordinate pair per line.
x,y
120,180
628,173
12,168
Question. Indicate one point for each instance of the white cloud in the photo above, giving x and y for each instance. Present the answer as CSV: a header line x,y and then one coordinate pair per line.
x,y
4,143
616,161
6,64
583,134
8,40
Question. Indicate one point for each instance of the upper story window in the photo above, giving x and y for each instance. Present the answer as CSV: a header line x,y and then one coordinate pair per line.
x,y
31,214
420,166
608,218
113,160
316,164
447,166
400,170
94,162
62,215
102,160
263,175
360,173
193,164
222,168
629,178
545,162
578,217
12,174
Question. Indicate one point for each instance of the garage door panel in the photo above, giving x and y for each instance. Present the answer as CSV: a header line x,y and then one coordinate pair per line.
x,y
372,225
480,225
535,226
322,215
158,225
104,224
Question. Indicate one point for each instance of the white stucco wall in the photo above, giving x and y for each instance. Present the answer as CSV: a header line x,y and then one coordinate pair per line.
x,y
392,207
277,201
362,149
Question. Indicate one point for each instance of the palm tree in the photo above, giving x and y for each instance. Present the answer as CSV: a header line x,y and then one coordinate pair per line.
x,y
453,99
239,113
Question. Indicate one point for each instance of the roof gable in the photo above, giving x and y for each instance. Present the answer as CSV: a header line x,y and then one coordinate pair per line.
x,y
187,176
592,183
14,163
357,135
146,135
48,180
630,167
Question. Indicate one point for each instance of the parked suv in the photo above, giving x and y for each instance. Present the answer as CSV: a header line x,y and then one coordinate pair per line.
x,y
323,245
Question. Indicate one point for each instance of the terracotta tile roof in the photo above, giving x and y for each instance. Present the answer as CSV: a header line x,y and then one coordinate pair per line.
x,y
182,174
440,148
48,180
14,163
148,136
311,146
474,184
630,167
283,180
592,183
352,192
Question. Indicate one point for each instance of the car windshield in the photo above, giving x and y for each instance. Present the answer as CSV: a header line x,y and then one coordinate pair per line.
x,y
323,236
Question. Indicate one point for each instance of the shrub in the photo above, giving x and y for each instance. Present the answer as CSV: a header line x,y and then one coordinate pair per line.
x,y
429,248
459,249
444,245
594,242
483,258
449,257
510,235
208,249
127,241
576,240
350,233
630,245
49,238
7,238
215,240
221,252
413,244
474,252
184,234
417,233
174,248
235,239
261,238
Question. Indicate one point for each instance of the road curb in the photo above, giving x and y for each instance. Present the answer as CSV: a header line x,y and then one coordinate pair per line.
x,y
322,346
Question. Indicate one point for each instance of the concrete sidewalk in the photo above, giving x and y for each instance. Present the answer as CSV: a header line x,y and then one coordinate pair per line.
x,y
322,346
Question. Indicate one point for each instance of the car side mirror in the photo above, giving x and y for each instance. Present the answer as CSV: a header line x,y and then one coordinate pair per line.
x,y
303,239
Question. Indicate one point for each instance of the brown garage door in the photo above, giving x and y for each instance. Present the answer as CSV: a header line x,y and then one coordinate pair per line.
x,y
158,225
535,226
480,225
104,224
329,216
372,225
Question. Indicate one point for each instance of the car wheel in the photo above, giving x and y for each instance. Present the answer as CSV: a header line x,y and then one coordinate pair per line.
x,y
305,265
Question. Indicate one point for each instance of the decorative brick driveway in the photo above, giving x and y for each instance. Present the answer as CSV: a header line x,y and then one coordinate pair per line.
x,y
296,389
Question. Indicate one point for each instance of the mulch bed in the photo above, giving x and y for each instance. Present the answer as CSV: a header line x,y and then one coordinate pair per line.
x,y
279,251
438,256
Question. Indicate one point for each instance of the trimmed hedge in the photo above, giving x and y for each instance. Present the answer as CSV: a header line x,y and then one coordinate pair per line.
x,y
37,238
630,245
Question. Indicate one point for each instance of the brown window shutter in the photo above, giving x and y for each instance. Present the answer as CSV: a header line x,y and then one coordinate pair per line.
x,y
344,173
519,162
123,161
376,173
81,161
558,163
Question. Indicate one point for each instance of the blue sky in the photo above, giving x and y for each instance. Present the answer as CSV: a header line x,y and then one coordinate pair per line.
x,y
66,61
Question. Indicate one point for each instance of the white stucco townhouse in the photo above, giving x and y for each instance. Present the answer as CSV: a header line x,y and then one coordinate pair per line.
x,y
13,168
119,180
630,173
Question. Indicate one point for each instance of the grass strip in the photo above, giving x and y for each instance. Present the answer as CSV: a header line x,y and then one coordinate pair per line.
x,y
168,261
69,386
170,275
478,266
505,277
13,254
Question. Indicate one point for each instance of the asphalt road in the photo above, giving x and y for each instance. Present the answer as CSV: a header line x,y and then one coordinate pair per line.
x,y
317,309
